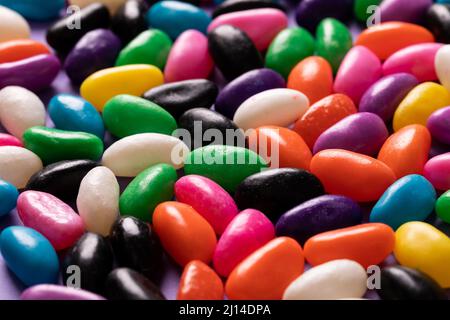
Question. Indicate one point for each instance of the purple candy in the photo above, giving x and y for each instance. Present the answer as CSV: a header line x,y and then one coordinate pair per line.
x,y
310,13
96,50
55,292
404,10
245,86
325,213
383,97
362,132
438,148
439,125
35,73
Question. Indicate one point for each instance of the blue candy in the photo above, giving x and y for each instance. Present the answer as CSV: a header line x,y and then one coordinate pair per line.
x,y
29,255
8,197
73,113
410,198
40,10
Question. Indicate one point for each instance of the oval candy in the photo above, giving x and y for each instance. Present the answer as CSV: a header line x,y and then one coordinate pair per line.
x,y
129,20
43,11
404,10
437,19
8,197
442,65
17,165
443,207
19,49
57,292
437,171
13,26
241,5
9,140
438,124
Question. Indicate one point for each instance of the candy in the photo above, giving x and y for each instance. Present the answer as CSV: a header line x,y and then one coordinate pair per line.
x,y
17,165
321,214
338,279
13,25
112,5
437,171
103,85
351,174
41,11
19,49
363,9
403,10
184,234
199,282
29,255
278,190
8,197
443,206
245,86
9,140
419,104
284,52
437,20
438,124
310,13
226,165
133,154
56,292
323,115
389,37
267,272
368,244
51,217
150,188
129,20
20,109
181,96
233,52
384,96
98,200
125,115
93,255
401,283
421,246
334,40
53,145
175,17
313,77
241,5
442,65
136,246
410,198
200,63
96,50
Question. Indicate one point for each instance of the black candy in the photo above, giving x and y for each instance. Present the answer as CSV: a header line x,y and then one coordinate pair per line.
x,y
401,283
178,97
63,39
438,22
275,191
240,5
129,20
233,52
93,255
127,284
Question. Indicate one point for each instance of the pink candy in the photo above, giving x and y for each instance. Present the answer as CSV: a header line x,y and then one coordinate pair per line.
x,y
437,171
9,140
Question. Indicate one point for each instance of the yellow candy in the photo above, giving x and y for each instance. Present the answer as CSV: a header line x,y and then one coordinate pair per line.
x,y
136,79
420,103
421,246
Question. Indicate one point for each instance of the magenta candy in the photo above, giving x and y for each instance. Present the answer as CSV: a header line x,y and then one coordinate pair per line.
x,y
55,292
261,25
9,140
359,70
189,58
404,10
208,199
437,171
51,217
417,60
439,125
249,231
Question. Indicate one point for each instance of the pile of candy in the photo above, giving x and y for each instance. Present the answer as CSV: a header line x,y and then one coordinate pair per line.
x,y
339,160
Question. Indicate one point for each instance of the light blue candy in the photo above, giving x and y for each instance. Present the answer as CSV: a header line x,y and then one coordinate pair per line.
x,y
29,255
410,198
8,197
40,10
73,113
175,17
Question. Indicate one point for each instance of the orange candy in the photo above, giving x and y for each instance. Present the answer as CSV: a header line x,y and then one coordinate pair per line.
x,y
389,37
199,282
322,115
292,150
15,50
368,244
314,77
267,272
406,151
184,233
351,174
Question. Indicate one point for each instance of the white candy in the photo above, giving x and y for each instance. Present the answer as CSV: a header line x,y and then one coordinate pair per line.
x,y
12,25
133,154
20,109
17,165
442,66
98,200
337,279
112,5
278,107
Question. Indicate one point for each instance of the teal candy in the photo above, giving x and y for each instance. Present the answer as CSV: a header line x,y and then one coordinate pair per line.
x,y
410,198
29,255
8,197
39,10
73,113
175,17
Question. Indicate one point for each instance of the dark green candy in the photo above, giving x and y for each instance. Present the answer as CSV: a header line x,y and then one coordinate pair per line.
x,y
360,9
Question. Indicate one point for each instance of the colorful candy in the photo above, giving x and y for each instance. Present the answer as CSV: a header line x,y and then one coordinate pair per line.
x,y
437,20
403,10
17,165
13,26
21,49
438,124
437,171
56,292
442,65
43,11
443,206
310,13
241,5
9,140
8,197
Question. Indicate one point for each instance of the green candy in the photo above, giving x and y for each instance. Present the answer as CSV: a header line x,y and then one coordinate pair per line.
x,y
149,47
360,9
443,207
53,145
226,165
333,42
148,189
288,48
125,115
